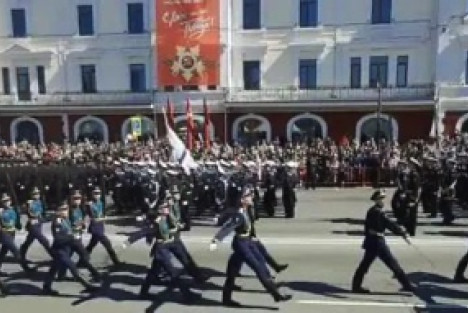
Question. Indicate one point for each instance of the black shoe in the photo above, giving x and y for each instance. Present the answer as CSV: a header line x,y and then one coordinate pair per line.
x,y
282,298
91,288
460,280
360,290
144,295
49,291
237,288
29,270
201,278
281,268
232,304
409,288
191,296
96,279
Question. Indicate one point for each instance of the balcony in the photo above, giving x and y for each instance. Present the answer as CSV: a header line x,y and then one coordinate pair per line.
x,y
78,98
196,97
323,94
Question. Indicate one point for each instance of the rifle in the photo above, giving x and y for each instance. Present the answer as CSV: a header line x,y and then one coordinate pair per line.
x,y
15,202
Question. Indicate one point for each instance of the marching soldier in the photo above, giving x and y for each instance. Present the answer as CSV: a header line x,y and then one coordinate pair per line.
x,y
96,226
161,252
35,212
430,187
375,245
289,194
413,193
245,251
8,225
447,193
62,245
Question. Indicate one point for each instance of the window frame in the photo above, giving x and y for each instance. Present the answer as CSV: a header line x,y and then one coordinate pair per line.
x,y
402,65
355,62
82,26
132,67
41,80
6,81
381,12
19,30
135,26
310,66
308,19
247,66
251,8
380,63
83,73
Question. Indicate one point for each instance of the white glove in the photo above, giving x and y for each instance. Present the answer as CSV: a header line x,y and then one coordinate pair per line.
x,y
140,218
125,244
213,245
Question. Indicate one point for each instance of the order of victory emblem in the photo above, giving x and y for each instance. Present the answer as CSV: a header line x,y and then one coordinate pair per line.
x,y
187,62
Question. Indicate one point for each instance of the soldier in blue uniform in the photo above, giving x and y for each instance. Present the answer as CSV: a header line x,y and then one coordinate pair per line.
x,y
375,245
35,212
245,251
96,226
160,232
8,225
62,231
78,226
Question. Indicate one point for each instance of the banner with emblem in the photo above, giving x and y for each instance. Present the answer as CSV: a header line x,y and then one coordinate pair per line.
x,y
188,42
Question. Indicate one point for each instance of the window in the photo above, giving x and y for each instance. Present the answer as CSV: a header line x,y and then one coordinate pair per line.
x,y
137,78
355,79
18,19
135,18
308,74
190,88
85,20
308,13
6,80
402,71
381,11
88,78
378,71
251,14
41,80
22,83
251,75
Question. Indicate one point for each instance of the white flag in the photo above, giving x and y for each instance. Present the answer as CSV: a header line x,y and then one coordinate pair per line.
x,y
179,153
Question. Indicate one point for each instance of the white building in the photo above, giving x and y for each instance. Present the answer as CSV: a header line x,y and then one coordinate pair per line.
x,y
288,69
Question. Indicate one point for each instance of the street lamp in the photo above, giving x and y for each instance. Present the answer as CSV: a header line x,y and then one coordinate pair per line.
x,y
379,113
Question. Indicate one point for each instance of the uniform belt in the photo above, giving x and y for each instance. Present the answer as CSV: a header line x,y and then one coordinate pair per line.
x,y
165,240
243,235
375,233
98,219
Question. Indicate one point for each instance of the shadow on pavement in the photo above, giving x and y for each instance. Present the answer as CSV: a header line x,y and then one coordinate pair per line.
x,y
349,221
447,233
319,288
427,289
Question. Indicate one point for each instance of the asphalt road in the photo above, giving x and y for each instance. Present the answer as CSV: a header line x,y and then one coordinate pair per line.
x,y
322,246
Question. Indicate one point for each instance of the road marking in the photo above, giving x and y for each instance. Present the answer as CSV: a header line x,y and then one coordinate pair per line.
x,y
384,304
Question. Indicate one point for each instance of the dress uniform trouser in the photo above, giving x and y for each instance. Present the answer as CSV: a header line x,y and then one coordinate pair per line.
x,y
7,241
462,266
411,219
83,255
96,229
381,251
61,260
265,255
243,252
34,233
162,258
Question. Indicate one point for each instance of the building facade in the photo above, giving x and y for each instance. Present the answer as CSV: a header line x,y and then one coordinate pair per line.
x,y
288,70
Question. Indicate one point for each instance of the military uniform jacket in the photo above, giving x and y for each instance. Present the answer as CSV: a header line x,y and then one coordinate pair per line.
x,y
8,219
375,225
239,223
62,231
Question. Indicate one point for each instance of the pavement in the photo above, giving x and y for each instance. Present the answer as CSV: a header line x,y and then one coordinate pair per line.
x,y
322,245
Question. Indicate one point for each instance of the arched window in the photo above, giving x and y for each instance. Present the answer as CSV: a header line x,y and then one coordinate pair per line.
x,y
92,128
180,125
147,128
366,128
462,124
251,129
27,129
305,127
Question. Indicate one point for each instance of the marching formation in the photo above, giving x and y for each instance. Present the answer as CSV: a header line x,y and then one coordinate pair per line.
x,y
166,195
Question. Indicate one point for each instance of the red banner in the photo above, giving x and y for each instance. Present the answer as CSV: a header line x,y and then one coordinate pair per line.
x,y
188,42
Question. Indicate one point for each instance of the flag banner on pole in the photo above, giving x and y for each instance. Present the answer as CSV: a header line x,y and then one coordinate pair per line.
x,y
179,152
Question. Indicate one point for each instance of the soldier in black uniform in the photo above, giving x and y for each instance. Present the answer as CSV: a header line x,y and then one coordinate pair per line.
x,y
63,242
375,245
447,193
430,186
413,193
289,194
269,197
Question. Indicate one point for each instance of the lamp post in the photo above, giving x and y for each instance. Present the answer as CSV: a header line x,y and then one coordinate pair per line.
x,y
379,113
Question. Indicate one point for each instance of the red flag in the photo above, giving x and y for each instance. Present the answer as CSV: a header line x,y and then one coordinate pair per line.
x,y
190,126
170,113
206,126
